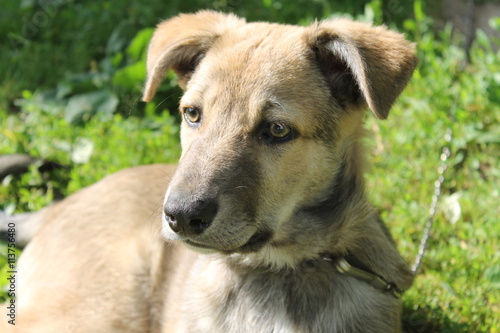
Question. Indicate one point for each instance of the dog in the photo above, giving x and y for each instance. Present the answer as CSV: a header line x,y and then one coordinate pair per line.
x,y
265,224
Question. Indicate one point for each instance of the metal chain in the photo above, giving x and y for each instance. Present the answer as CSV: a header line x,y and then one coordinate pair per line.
x,y
445,154
446,151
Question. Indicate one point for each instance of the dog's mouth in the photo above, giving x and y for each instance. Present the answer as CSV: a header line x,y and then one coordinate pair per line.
x,y
254,244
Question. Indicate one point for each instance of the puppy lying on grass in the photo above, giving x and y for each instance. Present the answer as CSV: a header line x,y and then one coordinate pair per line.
x,y
265,225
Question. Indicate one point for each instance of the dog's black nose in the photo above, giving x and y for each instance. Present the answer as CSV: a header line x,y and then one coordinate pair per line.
x,y
189,218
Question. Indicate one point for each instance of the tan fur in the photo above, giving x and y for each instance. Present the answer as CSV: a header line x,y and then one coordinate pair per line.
x,y
267,210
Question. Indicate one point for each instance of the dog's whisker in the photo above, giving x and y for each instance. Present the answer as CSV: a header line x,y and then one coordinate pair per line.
x,y
163,101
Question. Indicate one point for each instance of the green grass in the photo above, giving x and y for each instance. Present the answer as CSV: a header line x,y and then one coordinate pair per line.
x,y
83,150
458,287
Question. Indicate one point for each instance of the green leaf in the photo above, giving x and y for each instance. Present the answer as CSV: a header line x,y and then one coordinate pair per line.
x,y
63,89
493,275
139,45
83,106
491,136
27,4
418,11
131,76
483,39
119,37
494,23
116,60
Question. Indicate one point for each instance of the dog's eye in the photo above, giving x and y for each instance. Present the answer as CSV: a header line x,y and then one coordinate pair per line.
x,y
192,114
279,130
276,132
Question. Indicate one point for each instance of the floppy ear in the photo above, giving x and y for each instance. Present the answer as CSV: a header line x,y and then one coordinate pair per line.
x,y
180,43
364,65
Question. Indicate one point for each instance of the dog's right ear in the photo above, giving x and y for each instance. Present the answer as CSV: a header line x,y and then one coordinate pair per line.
x,y
364,65
180,43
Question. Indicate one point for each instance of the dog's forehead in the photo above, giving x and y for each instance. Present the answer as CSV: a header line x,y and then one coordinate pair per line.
x,y
259,54
256,66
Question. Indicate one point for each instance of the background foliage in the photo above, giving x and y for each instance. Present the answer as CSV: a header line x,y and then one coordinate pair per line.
x,y
70,83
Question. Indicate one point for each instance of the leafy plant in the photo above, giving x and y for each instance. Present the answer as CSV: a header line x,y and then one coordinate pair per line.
x,y
84,150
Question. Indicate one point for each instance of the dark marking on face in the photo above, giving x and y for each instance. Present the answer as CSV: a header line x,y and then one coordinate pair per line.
x,y
343,190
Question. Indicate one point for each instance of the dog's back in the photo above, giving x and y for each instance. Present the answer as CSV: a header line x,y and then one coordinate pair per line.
x,y
90,267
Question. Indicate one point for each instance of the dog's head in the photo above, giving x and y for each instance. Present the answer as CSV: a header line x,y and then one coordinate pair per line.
x,y
271,117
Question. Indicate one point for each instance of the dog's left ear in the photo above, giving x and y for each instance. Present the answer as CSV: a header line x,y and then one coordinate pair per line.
x,y
364,65
180,43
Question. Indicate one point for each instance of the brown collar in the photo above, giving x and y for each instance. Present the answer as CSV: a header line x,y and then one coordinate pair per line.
x,y
344,267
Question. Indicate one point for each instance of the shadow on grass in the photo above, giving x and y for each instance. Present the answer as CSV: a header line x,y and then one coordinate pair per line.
x,y
431,320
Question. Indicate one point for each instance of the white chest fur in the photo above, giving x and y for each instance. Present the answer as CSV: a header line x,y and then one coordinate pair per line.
x,y
312,298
